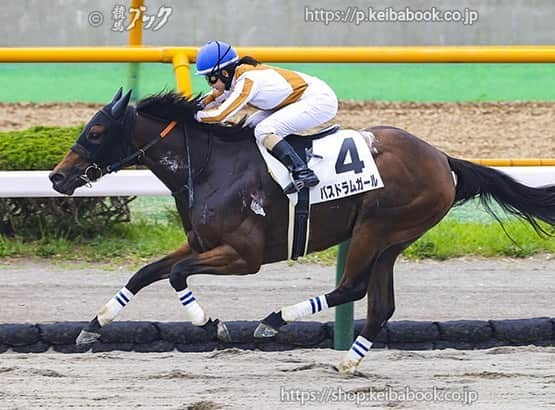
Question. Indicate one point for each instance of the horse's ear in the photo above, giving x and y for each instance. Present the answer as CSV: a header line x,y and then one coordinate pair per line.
x,y
119,107
118,95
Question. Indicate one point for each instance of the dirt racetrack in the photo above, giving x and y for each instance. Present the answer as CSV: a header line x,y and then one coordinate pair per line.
x,y
464,288
468,288
478,130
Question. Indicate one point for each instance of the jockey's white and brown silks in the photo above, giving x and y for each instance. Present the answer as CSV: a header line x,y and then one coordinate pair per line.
x,y
288,102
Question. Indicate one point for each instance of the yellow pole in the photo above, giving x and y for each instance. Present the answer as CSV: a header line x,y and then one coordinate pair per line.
x,y
515,162
180,63
135,40
477,54
86,54
424,54
136,32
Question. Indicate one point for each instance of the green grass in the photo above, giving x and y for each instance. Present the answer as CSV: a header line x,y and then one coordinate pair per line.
x,y
132,244
452,238
437,82
35,148
385,82
140,241
77,82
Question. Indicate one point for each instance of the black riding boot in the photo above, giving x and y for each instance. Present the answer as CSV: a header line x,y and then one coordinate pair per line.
x,y
303,177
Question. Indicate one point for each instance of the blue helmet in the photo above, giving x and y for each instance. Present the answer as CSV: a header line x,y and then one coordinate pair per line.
x,y
214,56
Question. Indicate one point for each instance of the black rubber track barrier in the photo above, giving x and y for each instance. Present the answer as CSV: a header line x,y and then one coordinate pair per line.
x,y
182,336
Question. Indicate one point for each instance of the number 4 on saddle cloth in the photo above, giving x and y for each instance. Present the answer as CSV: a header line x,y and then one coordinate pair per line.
x,y
342,160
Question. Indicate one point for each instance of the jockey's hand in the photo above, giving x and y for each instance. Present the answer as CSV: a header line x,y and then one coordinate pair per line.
x,y
197,116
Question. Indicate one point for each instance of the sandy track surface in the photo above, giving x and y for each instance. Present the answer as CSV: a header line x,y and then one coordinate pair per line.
x,y
469,288
499,378
501,130
466,288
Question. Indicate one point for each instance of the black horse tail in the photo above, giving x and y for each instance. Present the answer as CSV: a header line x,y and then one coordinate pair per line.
x,y
490,185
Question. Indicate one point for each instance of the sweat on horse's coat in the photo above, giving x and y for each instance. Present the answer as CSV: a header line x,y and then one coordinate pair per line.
x,y
224,173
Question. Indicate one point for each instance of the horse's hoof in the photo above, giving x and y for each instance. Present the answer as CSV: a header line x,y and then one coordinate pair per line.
x,y
86,337
347,367
264,331
223,333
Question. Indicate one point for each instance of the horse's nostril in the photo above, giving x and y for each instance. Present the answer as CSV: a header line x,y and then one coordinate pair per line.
x,y
57,178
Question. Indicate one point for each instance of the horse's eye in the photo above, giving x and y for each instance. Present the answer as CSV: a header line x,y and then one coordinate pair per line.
x,y
94,136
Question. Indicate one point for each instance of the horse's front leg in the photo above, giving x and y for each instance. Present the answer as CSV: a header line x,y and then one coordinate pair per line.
x,y
145,276
222,260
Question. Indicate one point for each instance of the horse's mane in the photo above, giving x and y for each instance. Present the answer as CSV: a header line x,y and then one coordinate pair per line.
x,y
175,107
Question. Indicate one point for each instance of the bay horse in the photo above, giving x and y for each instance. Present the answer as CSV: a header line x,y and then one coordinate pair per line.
x,y
215,172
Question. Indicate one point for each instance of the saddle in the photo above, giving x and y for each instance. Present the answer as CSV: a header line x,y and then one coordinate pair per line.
x,y
324,132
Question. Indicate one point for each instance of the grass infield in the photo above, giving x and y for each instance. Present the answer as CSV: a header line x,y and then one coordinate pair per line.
x,y
384,82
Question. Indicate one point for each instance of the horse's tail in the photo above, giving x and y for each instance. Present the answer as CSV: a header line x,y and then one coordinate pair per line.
x,y
489,185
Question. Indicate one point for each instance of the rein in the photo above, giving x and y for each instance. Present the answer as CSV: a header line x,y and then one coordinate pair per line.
x,y
190,183
137,155
94,172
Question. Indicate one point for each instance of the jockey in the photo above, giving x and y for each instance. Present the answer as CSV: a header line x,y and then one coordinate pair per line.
x,y
288,102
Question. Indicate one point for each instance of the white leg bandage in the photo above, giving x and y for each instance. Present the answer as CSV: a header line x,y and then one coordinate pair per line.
x,y
356,353
360,347
303,309
114,306
193,311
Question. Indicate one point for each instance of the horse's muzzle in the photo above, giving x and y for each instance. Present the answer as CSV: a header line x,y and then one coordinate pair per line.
x,y
63,183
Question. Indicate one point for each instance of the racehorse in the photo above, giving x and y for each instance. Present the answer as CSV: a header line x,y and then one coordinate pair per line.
x,y
215,172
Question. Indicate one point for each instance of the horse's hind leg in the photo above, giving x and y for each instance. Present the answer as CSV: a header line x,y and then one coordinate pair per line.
x,y
381,305
363,252
145,276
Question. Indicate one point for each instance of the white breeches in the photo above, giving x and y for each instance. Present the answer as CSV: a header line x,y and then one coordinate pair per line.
x,y
317,105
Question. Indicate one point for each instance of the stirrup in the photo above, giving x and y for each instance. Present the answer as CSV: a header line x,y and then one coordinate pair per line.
x,y
298,184
293,187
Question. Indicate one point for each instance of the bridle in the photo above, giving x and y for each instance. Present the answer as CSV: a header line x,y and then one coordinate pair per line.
x,y
94,172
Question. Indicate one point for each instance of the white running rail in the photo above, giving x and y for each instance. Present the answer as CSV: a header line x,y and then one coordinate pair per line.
x,y
143,183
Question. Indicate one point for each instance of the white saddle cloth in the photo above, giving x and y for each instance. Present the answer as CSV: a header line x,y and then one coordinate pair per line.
x,y
342,161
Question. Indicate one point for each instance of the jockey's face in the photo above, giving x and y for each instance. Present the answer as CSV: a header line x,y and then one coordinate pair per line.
x,y
218,84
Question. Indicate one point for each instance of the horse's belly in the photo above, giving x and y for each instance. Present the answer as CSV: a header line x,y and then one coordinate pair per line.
x,y
330,223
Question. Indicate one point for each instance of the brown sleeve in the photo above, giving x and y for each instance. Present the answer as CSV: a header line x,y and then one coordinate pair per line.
x,y
210,97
